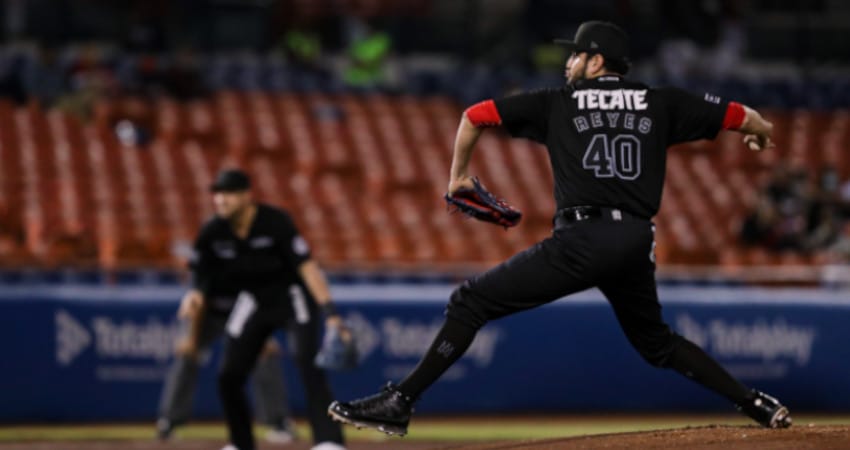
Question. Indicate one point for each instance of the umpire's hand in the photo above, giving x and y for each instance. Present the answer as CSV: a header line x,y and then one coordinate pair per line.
x,y
191,304
339,349
335,321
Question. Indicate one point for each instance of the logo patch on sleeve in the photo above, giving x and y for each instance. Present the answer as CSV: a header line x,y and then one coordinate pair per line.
x,y
711,98
224,249
299,245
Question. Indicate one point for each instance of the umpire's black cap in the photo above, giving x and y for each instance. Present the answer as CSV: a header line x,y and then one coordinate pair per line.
x,y
599,37
231,180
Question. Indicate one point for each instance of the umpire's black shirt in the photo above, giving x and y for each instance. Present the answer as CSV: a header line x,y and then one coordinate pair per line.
x,y
265,263
607,137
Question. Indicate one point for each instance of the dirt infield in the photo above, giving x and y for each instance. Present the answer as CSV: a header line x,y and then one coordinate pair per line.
x,y
821,437
712,437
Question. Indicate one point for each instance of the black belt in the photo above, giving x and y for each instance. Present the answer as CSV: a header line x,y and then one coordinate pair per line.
x,y
574,214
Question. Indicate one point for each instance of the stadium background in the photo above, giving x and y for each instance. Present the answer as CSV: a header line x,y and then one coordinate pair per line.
x,y
115,116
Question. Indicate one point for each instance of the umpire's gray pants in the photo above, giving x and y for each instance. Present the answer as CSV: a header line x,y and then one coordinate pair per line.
x,y
178,393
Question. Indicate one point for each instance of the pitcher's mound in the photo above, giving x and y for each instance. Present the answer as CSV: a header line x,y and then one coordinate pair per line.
x,y
832,437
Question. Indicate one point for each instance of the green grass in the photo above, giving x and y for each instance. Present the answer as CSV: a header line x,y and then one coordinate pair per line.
x,y
425,429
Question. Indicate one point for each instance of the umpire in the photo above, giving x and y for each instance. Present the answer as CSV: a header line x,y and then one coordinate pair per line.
x,y
256,250
607,140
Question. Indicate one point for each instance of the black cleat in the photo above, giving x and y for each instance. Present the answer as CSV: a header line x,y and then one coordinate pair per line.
x,y
387,411
766,410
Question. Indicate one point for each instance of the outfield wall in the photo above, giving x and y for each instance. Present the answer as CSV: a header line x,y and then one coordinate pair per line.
x,y
99,353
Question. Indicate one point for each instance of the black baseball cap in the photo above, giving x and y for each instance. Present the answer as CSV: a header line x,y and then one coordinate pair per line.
x,y
596,36
231,180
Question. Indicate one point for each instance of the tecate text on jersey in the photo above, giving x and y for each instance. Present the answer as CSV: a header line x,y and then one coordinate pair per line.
x,y
627,99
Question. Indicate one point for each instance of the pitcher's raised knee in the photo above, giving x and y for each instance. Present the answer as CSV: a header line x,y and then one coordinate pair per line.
x,y
467,307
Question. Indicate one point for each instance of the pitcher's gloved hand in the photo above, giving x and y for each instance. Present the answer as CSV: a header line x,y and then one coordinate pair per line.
x,y
477,202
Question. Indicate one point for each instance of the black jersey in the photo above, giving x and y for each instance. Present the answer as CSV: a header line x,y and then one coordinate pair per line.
x,y
265,263
607,137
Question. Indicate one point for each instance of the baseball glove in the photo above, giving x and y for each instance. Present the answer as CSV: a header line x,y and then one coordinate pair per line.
x,y
338,352
480,204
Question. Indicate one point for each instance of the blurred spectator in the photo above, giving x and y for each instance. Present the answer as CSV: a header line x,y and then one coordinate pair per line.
x,y
44,77
759,226
132,134
790,194
780,218
825,231
825,208
144,76
368,52
793,213
91,78
179,76
303,47
131,119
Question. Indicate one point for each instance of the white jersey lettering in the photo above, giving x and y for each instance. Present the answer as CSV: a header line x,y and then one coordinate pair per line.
x,y
607,100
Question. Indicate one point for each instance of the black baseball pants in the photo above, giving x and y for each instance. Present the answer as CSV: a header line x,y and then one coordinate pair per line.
x,y
616,256
250,323
178,392
613,252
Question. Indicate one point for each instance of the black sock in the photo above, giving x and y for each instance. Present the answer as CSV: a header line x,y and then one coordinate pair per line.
x,y
692,362
449,345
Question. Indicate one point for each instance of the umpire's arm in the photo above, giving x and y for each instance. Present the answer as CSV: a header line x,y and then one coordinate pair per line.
x,y
200,271
296,251
317,284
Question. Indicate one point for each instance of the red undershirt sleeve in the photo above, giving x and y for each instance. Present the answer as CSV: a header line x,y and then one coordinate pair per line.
x,y
734,117
483,114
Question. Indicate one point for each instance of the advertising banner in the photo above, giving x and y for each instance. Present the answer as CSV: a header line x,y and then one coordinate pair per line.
x,y
101,353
